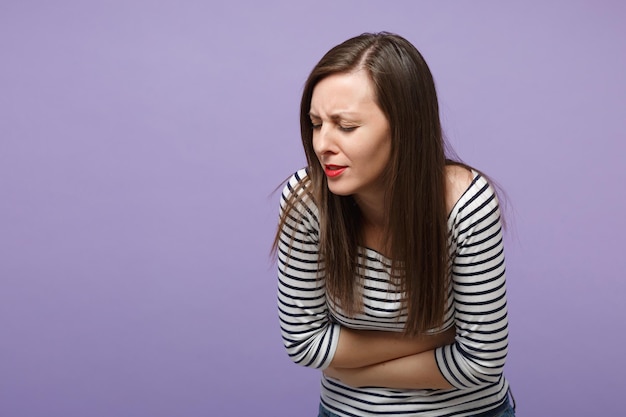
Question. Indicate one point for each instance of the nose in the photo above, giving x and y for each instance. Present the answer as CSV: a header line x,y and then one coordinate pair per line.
x,y
324,141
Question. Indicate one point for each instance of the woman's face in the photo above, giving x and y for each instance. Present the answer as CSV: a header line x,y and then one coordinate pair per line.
x,y
351,135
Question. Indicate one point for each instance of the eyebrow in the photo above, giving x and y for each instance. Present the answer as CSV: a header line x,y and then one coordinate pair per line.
x,y
336,116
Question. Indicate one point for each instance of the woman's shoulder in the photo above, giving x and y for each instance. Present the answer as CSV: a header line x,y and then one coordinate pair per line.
x,y
299,177
297,196
297,184
459,179
467,186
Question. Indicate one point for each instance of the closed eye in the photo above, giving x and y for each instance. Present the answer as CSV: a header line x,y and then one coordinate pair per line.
x,y
347,128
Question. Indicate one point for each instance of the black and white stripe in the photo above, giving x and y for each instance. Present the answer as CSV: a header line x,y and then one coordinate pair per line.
x,y
310,326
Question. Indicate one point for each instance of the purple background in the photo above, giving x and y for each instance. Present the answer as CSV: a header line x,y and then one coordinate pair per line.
x,y
140,142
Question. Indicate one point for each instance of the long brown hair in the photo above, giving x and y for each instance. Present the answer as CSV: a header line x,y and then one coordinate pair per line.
x,y
415,181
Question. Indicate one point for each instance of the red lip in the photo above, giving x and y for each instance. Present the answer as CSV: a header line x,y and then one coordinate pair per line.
x,y
333,170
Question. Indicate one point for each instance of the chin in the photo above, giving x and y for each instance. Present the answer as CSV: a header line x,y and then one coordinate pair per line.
x,y
340,191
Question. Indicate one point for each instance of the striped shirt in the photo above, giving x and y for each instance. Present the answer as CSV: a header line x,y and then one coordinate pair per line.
x,y
310,326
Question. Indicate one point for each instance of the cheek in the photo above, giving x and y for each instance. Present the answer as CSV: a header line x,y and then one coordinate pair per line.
x,y
383,150
387,152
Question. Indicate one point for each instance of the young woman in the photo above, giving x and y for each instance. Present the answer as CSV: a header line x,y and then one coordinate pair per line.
x,y
390,258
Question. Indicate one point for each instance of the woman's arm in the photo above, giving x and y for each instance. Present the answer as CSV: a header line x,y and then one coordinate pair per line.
x,y
360,348
419,371
479,288
309,336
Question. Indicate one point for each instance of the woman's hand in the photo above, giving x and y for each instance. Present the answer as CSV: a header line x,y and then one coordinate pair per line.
x,y
360,348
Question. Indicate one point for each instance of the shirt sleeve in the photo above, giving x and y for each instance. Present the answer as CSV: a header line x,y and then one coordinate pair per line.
x,y
479,291
308,333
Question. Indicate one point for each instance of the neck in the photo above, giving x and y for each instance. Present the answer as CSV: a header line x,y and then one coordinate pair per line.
x,y
373,212
374,226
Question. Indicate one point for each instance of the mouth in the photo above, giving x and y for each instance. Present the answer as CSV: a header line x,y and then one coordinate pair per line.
x,y
333,171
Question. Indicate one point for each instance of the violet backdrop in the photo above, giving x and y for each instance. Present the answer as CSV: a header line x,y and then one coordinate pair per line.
x,y
141,141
